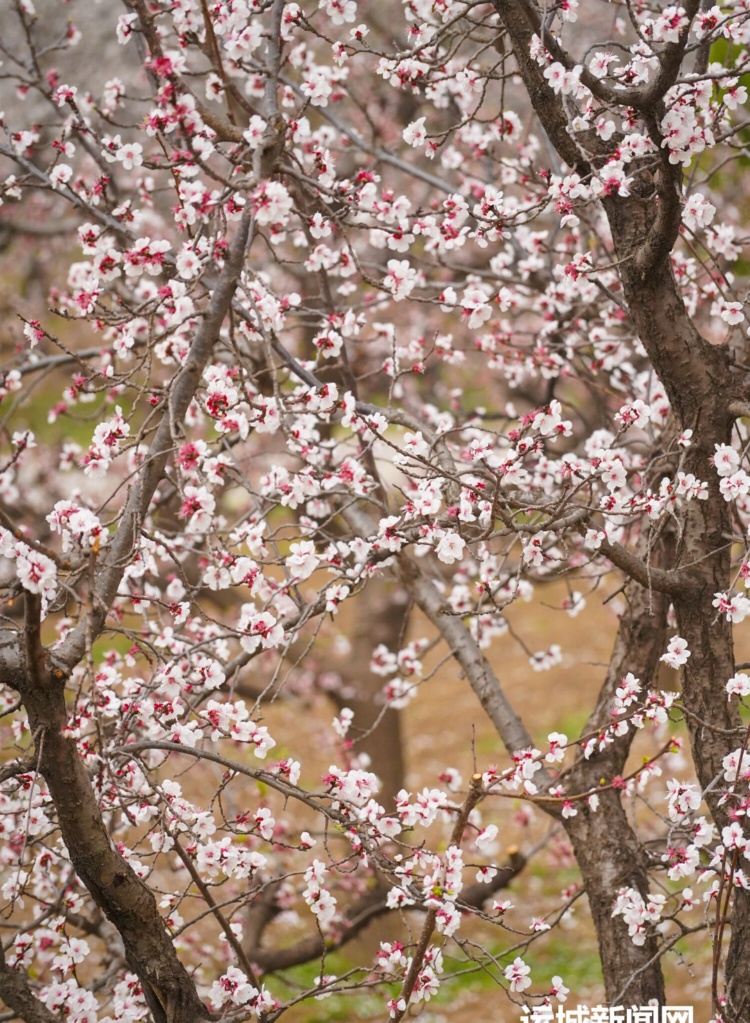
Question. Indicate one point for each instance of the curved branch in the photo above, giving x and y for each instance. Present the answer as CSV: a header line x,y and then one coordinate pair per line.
x,y
16,992
113,884
651,577
123,546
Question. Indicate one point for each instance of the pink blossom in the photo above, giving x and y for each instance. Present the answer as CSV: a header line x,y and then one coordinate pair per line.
x,y
400,279
450,548
518,975
726,460
677,653
739,685
698,212
272,203
415,134
36,572
130,155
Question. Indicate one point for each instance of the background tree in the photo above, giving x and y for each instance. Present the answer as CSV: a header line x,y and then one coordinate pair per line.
x,y
367,310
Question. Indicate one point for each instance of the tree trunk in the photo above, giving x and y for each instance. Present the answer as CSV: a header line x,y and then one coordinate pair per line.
x,y
610,857
699,380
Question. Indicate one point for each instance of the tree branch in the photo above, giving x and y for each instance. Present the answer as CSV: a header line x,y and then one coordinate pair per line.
x,y
465,649
473,796
372,906
115,887
124,544
16,992
670,64
649,576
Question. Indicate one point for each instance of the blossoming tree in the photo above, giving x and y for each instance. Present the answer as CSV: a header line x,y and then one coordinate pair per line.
x,y
359,308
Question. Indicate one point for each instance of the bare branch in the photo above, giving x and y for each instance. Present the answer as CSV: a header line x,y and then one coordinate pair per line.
x,y
664,580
